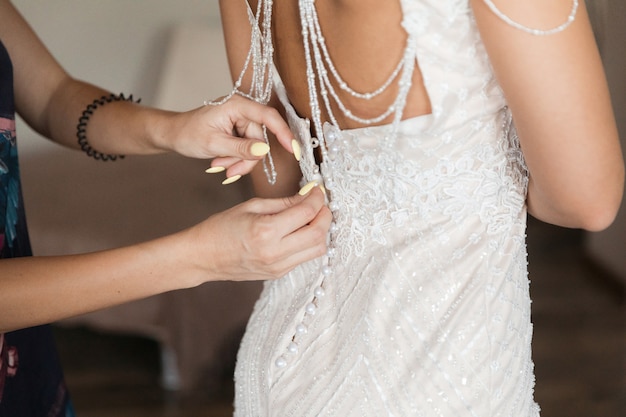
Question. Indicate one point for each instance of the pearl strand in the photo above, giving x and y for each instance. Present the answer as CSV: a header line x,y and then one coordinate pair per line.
x,y
261,54
340,81
312,35
536,32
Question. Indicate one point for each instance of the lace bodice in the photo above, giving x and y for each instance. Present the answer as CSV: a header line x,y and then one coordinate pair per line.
x,y
422,306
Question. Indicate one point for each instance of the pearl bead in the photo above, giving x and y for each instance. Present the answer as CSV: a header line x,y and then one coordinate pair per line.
x,y
281,362
301,329
292,348
326,270
310,309
319,292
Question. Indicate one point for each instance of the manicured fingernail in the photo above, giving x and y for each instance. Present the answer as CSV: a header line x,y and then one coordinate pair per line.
x,y
307,188
297,151
214,170
230,180
323,189
260,149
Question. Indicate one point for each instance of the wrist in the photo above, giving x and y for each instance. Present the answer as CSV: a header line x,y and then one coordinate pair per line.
x,y
160,130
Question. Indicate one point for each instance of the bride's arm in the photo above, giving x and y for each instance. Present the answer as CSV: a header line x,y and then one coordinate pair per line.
x,y
237,37
556,89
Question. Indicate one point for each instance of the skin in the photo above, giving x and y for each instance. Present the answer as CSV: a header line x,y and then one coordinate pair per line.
x,y
258,239
555,87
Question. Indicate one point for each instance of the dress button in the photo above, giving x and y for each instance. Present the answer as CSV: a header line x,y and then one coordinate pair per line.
x,y
292,348
319,292
281,362
301,329
310,309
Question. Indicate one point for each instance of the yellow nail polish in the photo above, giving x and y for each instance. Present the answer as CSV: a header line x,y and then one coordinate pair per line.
x,y
260,149
230,180
297,151
214,170
307,188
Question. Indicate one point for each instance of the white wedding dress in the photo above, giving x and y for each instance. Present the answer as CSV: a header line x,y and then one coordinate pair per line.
x,y
422,307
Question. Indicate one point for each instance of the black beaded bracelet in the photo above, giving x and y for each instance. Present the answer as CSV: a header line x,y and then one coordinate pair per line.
x,y
84,119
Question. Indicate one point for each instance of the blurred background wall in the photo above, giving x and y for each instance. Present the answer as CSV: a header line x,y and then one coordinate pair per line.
x,y
119,44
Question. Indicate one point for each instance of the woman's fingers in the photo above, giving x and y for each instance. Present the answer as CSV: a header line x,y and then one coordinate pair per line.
x,y
295,233
310,241
289,214
261,115
231,167
225,145
264,238
239,139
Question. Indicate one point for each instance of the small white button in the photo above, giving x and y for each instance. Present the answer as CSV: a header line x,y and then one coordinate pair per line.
x,y
311,309
281,362
319,292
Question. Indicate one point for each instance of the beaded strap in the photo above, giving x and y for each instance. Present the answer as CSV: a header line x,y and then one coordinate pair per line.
x,y
532,31
260,54
84,119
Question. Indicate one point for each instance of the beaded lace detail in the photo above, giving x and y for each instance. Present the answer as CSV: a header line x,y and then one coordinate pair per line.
x,y
421,306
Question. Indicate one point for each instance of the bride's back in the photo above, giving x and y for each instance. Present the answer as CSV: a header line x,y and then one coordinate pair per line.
x,y
365,41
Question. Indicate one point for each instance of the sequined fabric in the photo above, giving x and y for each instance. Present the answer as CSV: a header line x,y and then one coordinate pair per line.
x,y
424,308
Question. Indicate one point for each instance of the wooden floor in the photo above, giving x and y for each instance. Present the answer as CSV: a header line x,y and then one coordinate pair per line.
x,y
579,317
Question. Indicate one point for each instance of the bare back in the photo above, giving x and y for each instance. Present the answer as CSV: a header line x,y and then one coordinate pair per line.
x,y
358,34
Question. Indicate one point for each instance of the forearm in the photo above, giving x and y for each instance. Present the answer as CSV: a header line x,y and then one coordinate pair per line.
x,y
44,289
116,127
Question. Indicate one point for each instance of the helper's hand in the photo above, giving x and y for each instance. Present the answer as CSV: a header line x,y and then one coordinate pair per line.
x,y
231,132
262,238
